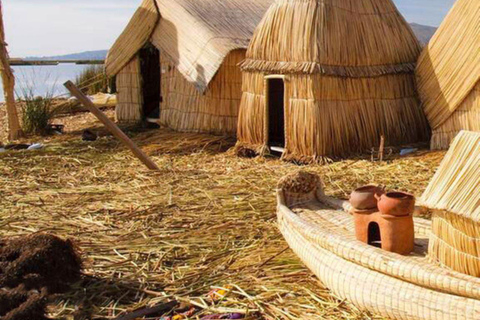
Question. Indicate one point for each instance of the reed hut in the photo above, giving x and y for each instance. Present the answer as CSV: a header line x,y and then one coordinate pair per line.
x,y
454,197
176,63
448,74
329,78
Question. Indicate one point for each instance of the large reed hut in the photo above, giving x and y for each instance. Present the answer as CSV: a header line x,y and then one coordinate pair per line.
x,y
448,74
329,78
176,63
454,196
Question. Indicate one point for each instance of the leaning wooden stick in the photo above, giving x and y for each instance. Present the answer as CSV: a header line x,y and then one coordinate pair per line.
x,y
112,127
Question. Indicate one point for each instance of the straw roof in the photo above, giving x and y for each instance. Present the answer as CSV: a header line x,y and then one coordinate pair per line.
x,y
456,185
335,37
133,38
196,35
449,67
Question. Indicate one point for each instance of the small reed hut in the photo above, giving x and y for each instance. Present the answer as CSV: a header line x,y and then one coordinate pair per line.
x,y
454,196
176,63
329,78
448,74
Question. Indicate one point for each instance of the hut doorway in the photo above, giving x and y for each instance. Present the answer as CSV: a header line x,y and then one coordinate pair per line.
x,y
151,82
276,114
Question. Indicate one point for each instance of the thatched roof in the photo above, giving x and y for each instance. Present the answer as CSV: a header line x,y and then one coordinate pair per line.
x,y
335,37
196,34
133,38
456,185
449,67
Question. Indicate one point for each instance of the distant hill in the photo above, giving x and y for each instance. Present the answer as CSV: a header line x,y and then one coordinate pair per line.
x,y
423,33
87,55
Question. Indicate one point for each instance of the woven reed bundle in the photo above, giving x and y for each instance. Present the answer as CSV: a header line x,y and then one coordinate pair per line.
x,y
454,194
340,96
133,38
387,284
215,111
448,71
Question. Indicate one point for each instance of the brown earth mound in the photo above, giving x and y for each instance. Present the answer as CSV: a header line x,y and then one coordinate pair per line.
x,y
31,268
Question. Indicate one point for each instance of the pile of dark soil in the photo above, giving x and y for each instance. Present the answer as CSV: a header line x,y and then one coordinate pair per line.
x,y
32,268
246,153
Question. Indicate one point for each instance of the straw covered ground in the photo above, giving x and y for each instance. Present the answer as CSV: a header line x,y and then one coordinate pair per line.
x,y
206,219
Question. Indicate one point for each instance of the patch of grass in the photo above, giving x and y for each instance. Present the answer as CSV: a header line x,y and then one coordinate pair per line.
x,y
92,80
37,112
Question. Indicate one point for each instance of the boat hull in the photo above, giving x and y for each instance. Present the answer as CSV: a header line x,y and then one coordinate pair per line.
x,y
380,282
376,292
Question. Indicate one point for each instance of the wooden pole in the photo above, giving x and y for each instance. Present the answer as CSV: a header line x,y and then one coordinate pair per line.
x,y
14,129
112,127
381,150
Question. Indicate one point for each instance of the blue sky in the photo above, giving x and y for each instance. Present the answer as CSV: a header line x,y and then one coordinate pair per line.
x,y
54,27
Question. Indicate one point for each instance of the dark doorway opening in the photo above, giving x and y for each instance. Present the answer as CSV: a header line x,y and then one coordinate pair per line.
x,y
276,113
374,236
151,81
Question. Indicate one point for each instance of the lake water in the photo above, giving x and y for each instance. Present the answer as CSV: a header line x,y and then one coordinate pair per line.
x,y
44,79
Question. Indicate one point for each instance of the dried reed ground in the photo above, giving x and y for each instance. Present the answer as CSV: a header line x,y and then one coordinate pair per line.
x,y
206,219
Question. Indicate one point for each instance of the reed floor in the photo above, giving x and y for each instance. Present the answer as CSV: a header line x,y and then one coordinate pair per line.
x,y
207,218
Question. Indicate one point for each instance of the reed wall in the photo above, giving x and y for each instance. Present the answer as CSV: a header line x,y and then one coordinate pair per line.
x,y
465,117
334,116
129,93
215,111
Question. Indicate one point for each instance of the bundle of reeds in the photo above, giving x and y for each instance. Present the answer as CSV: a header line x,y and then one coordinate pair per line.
x,y
448,74
454,196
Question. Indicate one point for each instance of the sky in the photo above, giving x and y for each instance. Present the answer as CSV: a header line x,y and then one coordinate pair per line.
x,y
56,27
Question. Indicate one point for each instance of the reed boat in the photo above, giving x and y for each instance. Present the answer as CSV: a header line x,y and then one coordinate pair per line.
x,y
320,230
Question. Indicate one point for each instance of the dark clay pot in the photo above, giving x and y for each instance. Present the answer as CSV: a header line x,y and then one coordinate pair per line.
x,y
364,198
396,204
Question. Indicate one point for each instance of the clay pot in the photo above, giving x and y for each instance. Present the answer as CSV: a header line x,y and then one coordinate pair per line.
x,y
365,198
396,204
